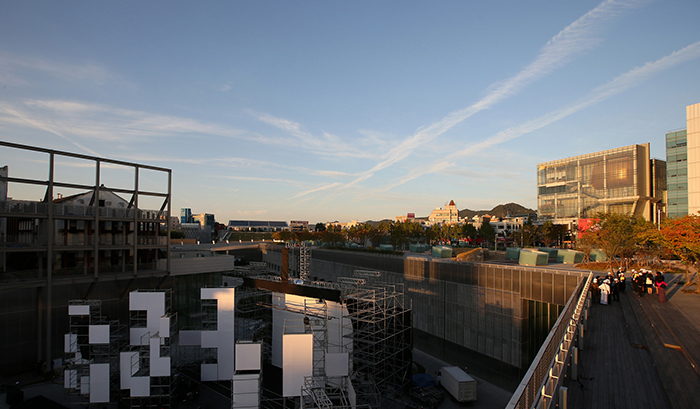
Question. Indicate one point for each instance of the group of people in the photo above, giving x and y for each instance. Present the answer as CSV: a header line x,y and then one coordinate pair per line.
x,y
645,282
606,289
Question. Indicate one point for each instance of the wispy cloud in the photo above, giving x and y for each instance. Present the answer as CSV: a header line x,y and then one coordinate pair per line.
x,y
318,189
326,144
46,126
599,94
577,38
13,70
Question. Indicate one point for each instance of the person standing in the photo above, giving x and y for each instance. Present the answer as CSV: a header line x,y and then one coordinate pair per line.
x,y
604,292
661,286
623,282
615,290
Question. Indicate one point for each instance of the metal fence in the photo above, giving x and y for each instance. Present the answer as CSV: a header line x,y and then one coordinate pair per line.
x,y
538,387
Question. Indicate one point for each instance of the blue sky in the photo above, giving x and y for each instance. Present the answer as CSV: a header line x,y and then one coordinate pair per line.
x,y
338,110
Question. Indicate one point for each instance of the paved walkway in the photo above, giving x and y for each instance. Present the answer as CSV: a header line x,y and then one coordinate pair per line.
x,y
639,353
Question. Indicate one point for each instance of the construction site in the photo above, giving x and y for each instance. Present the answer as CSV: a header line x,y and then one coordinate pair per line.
x,y
262,340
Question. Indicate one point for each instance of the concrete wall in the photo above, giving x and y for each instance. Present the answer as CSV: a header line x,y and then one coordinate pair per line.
x,y
483,307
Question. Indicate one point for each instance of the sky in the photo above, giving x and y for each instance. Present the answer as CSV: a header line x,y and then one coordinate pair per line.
x,y
340,110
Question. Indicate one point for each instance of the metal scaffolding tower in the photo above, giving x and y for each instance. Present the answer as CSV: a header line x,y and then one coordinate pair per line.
x,y
304,261
93,339
162,388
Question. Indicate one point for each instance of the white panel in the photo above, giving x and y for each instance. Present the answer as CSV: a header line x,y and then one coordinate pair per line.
x,y
126,369
140,387
210,339
84,385
164,330
154,305
209,372
99,383
78,310
98,334
248,357
190,338
297,362
160,366
225,355
136,336
70,379
277,328
337,364
225,306
70,343
352,397
245,391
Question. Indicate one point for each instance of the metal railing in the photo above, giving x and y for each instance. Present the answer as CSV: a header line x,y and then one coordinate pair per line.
x,y
538,387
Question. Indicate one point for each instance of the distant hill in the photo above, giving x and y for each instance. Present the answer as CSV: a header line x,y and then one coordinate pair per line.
x,y
501,210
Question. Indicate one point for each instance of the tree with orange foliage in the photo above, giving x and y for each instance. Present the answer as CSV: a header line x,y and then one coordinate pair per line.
x,y
681,236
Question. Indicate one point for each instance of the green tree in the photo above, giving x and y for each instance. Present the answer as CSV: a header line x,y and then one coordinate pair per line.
x,y
432,233
615,234
468,230
320,227
374,234
486,231
333,235
397,235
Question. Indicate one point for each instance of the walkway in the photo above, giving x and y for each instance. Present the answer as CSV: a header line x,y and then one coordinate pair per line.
x,y
639,353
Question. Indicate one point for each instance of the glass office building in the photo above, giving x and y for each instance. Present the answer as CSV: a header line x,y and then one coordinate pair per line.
x,y
677,173
616,180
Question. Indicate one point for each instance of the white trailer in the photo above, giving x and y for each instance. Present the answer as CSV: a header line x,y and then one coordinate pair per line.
x,y
458,383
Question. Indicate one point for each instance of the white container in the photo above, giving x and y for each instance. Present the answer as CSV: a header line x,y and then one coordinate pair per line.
x,y
458,383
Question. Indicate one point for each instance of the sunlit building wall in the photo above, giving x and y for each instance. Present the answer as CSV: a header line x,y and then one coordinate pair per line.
x,y
693,121
616,180
677,173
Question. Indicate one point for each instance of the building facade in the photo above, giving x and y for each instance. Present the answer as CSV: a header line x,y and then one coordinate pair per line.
x,y
445,215
205,220
51,246
677,173
186,215
693,130
616,180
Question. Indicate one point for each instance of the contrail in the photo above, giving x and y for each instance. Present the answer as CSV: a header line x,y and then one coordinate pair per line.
x,y
578,37
46,128
601,93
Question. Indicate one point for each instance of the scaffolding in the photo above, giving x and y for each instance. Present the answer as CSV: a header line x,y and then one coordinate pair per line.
x,y
81,351
382,339
304,261
162,388
376,333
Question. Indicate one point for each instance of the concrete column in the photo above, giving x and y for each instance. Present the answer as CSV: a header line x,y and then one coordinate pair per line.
x,y
563,397
580,337
574,364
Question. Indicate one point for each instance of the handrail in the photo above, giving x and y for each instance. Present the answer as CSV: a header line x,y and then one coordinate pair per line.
x,y
542,379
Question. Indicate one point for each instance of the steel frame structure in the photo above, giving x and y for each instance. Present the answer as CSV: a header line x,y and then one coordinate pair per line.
x,y
46,213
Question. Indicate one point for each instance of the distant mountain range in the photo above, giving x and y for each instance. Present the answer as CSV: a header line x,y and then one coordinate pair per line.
x,y
501,210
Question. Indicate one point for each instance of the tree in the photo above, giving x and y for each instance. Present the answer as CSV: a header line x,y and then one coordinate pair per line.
x,y
284,235
432,233
615,234
486,231
681,236
397,234
374,234
320,227
333,235
551,233
527,234
468,230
